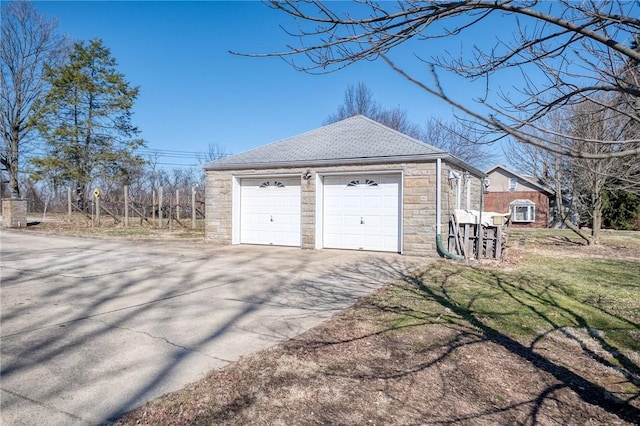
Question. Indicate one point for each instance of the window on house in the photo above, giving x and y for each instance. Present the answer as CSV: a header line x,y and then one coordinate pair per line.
x,y
513,182
523,211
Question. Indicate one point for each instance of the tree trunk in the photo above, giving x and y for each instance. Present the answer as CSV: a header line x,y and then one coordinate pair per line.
x,y
596,223
12,167
81,202
566,219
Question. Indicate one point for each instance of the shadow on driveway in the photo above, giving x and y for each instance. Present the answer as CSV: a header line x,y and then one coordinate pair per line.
x,y
91,328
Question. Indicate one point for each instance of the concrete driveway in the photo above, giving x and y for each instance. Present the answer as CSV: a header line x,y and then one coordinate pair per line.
x,y
92,328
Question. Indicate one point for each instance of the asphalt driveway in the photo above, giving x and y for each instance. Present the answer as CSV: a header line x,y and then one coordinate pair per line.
x,y
92,328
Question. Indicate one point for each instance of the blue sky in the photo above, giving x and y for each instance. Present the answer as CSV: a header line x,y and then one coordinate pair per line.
x,y
194,93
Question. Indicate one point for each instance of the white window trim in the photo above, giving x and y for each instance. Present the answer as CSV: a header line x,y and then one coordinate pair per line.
x,y
531,211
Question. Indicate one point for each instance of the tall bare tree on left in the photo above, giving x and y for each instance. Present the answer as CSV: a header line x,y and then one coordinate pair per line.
x,y
28,41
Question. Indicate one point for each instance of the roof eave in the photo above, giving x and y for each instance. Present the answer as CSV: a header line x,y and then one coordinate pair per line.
x,y
464,165
346,162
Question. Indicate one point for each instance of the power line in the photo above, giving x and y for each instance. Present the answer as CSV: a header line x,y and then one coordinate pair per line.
x,y
170,153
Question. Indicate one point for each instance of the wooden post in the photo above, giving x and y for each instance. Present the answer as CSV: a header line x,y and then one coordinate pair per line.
x,y
69,203
467,247
178,204
126,206
160,202
499,242
170,213
153,205
193,208
480,232
490,242
97,210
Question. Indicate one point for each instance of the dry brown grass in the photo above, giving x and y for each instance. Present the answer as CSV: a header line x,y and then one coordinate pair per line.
x,y
417,353
80,225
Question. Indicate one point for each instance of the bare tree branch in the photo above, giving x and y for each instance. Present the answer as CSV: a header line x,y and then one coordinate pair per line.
x,y
28,41
566,53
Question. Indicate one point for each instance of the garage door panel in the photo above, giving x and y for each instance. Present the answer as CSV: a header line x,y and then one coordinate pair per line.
x,y
373,242
372,201
270,211
370,223
362,212
350,201
331,221
390,223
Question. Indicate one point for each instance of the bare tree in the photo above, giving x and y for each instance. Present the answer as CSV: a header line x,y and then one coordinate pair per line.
x,y
584,182
28,42
455,138
214,152
553,170
459,140
359,100
596,120
561,53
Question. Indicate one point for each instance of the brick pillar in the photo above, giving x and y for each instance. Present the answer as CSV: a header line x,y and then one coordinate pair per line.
x,y
14,213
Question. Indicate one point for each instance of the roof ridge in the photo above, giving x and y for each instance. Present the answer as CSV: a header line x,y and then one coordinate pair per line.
x,y
356,137
404,135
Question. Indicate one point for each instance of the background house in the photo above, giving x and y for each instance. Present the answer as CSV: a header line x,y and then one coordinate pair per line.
x,y
528,201
354,184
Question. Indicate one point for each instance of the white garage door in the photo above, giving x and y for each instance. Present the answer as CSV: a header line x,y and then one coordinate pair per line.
x,y
362,212
270,211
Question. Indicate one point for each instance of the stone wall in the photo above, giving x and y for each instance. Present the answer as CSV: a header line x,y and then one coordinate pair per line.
x,y
418,202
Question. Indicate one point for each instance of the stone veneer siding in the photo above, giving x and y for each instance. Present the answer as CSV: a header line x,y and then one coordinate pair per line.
x,y
418,201
14,213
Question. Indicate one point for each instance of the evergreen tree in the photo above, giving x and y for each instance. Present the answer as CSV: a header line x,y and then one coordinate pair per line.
x,y
621,210
85,120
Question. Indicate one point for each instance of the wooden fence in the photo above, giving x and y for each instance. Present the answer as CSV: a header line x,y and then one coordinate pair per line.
x,y
475,241
165,210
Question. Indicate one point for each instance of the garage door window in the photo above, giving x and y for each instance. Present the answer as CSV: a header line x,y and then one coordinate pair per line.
x,y
363,182
272,184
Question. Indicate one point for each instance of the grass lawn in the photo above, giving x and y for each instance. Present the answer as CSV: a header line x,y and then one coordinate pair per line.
x,y
551,336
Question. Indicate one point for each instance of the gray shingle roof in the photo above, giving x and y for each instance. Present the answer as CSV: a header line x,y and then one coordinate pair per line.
x,y
355,140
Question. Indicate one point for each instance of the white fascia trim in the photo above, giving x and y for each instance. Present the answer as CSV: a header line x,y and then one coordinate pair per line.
x,y
267,175
363,172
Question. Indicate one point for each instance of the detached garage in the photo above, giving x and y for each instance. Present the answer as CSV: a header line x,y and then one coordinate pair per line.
x,y
354,184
